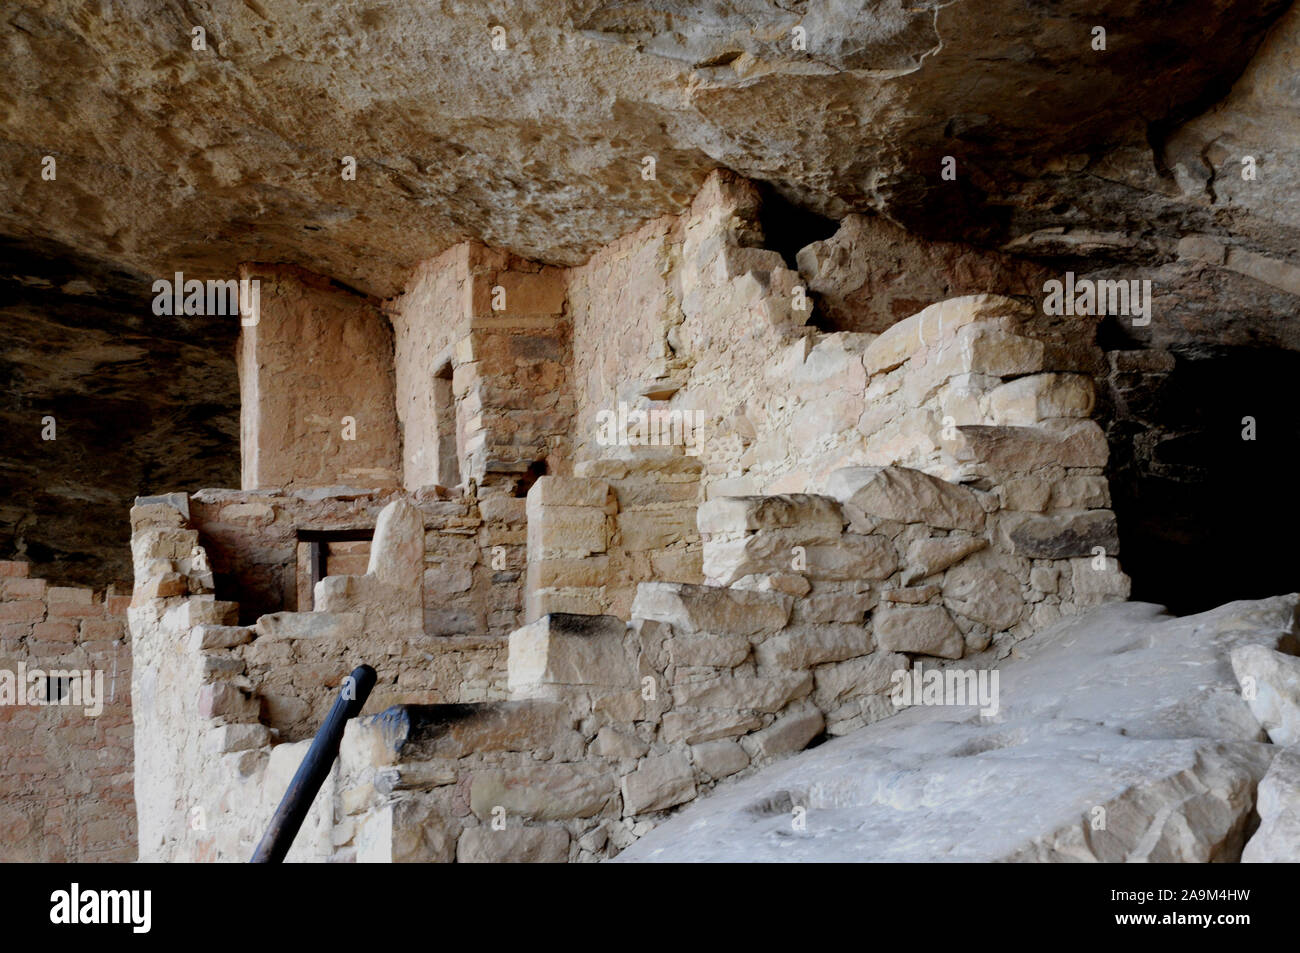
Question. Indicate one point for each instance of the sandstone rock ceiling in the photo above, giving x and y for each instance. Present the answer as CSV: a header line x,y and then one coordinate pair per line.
x,y
170,157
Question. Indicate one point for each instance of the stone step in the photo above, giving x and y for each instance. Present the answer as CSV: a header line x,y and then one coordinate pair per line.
x,y
563,650
409,733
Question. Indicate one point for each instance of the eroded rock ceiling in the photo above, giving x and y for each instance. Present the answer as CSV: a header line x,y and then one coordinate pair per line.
x,y
173,157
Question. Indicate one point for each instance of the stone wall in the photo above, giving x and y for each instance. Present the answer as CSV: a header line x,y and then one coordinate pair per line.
x,y
65,793
462,602
723,330
815,607
854,501
429,319
618,357
712,308
316,386
622,521
481,336
474,550
220,704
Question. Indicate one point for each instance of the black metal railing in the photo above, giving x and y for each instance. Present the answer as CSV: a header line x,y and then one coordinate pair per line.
x,y
315,768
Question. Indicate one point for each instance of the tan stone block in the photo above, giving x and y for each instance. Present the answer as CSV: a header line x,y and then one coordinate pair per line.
x,y
55,631
464,377
334,627
1045,578
201,611
789,733
500,508
578,601
694,727
226,738
456,731
721,651
560,572
818,519
101,630
622,707
541,792
1092,585
689,609
75,610
25,610
928,327
397,551
719,759
17,588
613,743
526,293
255,514
731,692
71,595
1031,493
568,491
513,845
1006,450
852,557
225,701
658,782
1060,534
868,675
908,496
922,630
913,595
637,494
420,834
834,602
641,530
1081,491
681,565
567,531
171,544
563,649
981,349
986,595
1027,401
809,645
206,637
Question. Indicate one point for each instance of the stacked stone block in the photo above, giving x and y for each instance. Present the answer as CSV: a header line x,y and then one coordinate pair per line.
x,y
593,537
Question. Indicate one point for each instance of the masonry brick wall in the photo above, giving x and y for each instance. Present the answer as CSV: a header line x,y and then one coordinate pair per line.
x,y
317,354
429,318
66,787
496,322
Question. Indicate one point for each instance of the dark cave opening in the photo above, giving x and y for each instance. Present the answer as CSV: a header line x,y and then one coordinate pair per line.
x,y
787,228
1206,515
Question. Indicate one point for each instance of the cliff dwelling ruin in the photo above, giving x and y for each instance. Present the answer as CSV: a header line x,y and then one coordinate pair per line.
x,y
697,416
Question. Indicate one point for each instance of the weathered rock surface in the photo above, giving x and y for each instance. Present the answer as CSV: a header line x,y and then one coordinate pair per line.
x,y
1121,735
1270,683
577,94
1278,838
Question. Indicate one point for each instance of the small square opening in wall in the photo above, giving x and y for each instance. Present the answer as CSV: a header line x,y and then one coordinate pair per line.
x,y
58,688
